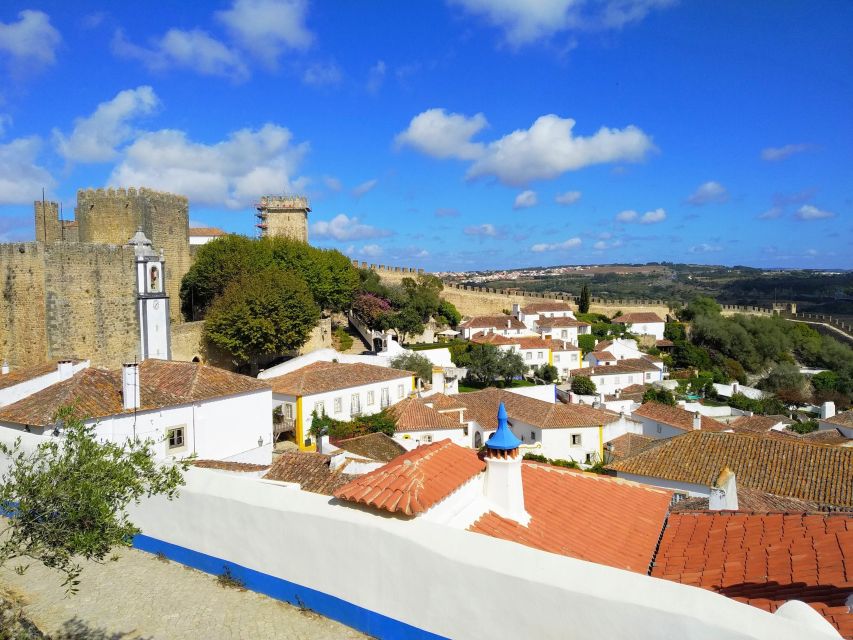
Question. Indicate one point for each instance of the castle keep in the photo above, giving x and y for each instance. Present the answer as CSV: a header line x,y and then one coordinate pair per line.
x,y
73,292
283,216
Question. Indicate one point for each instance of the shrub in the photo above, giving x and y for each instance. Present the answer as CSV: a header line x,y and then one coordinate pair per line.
x,y
416,363
583,386
569,464
586,342
343,340
806,426
663,396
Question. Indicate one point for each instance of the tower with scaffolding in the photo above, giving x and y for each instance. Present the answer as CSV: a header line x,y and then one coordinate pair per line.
x,y
283,216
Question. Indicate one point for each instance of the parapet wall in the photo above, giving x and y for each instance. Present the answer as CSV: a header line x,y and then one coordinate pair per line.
x,y
23,332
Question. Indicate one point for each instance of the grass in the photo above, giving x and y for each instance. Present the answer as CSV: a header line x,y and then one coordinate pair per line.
x,y
227,580
342,339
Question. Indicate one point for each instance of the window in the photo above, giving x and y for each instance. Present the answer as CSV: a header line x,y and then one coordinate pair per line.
x,y
176,437
677,497
532,436
320,408
385,399
400,391
616,380
564,334
427,438
556,357
589,458
370,398
576,439
355,404
539,355
287,410
528,356
648,376
338,405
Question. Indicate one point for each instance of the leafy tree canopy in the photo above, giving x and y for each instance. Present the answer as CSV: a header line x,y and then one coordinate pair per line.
x,y
414,362
583,386
584,299
663,396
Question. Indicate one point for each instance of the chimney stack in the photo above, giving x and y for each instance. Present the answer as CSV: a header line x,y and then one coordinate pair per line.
x,y
5,369
130,386
827,410
65,368
503,486
724,492
697,420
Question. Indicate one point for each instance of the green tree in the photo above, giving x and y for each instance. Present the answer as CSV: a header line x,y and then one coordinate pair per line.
x,y
825,381
67,500
583,301
448,313
786,381
262,314
674,331
583,386
548,373
484,363
512,365
406,322
415,362
700,306
586,342
663,396
807,426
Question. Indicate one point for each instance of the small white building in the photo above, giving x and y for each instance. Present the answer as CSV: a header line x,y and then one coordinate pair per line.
x,y
425,420
504,325
203,235
565,356
613,378
341,391
562,328
20,383
532,313
599,359
643,323
663,421
728,390
184,407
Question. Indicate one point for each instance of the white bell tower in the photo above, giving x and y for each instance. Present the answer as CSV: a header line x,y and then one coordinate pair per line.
x,y
152,301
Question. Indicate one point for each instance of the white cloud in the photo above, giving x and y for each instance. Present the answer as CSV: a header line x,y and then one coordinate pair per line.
x,y
194,50
548,148
530,22
32,40
364,187
629,215
705,248
95,138
444,135
810,212
231,173
486,230
21,178
332,183
567,198
571,243
322,74
708,193
370,251
376,76
651,217
525,200
772,213
602,245
342,227
775,154
267,27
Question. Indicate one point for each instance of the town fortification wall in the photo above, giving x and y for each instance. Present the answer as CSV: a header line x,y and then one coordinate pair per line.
x,y
112,216
89,301
23,333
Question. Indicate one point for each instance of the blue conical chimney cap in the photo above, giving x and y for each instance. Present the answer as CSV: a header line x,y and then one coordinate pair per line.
x,y
503,439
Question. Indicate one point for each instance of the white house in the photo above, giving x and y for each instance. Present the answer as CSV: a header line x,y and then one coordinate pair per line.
x,y
340,390
728,390
421,421
203,235
531,313
504,325
534,351
626,349
599,359
663,421
613,378
565,356
562,328
642,323
184,407
20,383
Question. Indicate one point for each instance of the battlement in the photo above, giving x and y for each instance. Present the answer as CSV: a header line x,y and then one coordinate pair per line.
x,y
129,192
284,202
399,271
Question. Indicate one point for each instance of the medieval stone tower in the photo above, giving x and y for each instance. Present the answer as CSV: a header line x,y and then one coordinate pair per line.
x,y
283,216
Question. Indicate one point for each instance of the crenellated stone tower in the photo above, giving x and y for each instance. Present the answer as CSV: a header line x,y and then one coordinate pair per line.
x,y
283,216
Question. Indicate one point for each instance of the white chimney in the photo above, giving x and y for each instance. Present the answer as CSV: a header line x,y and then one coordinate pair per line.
x,y
827,410
65,368
724,492
5,369
130,385
503,485
697,420
508,323
323,444
438,379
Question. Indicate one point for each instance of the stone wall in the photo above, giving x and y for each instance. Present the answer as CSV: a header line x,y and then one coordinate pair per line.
x,y
112,216
90,303
23,333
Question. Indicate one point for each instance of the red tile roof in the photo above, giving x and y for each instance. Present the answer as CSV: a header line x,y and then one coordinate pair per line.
x,y
560,323
757,502
224,465
442,402
498,322
490,338
531,342
643,317
197,232
320,377
602,355
757,424
845,419
827,436
764,559
412,414
586,516
415,481
97,393
539,307
562,345
311,470
637,366
24,374
676,417
627,445
375,446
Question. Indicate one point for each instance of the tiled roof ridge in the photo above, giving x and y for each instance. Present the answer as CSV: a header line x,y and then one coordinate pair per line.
x,y
600,477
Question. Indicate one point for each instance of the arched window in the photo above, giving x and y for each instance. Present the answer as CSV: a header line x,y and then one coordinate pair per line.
x,y
154,278
196,359
478,440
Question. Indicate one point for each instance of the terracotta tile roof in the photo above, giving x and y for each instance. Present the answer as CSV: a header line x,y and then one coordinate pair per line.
x,y
442,402
756,424
845,419
562,345
629,444
483,407
781,466
206,231
490,338
531,342
614,369
676,417
498,322
604,345
539,307
96,393
827,436
764,559
602,355
664,343
643,317
413,415
24,374
560,323
311,470
375,446
634,389
757,502
415,481
586,516
320,377
245,467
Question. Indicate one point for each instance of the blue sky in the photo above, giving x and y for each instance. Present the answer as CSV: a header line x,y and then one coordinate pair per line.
x,y
451,135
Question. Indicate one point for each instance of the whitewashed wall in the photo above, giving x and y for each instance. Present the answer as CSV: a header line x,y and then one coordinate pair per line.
x,y
611,383
27,388
648,329
657,429
413,439
544,392
689,488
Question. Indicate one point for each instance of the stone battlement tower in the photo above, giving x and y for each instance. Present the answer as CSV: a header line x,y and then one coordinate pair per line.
x,y
283,216
49,226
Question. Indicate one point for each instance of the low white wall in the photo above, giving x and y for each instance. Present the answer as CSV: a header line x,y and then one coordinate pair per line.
x,y
711,412
545,392
413,439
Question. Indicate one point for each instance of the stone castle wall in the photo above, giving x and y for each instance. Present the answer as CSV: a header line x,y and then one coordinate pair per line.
x,y
23,331
288,224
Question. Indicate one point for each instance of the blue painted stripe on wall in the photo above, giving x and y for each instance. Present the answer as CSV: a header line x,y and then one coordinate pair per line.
x,y
359,618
